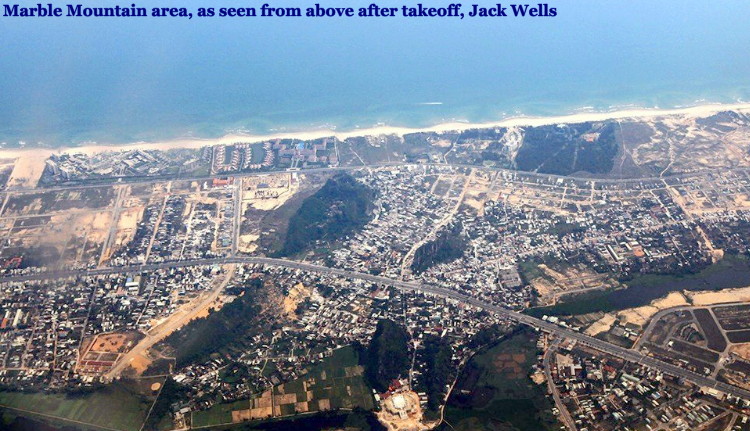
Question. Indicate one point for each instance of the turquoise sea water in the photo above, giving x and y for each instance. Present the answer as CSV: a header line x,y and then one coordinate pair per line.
x,y
68,80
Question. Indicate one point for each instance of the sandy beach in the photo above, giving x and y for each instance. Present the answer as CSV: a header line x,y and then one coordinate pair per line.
x,y
642,113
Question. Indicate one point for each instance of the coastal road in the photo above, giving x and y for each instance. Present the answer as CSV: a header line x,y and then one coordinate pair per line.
x,y
461,298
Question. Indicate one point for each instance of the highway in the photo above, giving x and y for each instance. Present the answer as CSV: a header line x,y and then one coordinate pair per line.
x,y
163,178
617,351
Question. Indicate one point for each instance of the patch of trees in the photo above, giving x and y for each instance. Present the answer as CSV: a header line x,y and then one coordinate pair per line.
x,y
493,134
420,142
437,355
724,122
340,207
598,157
158,367
562,229
486,335
563,150
170,393
492,156
202,337
387,356
448,246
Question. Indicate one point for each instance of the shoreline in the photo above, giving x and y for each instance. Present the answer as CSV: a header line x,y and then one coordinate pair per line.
x,y
520,121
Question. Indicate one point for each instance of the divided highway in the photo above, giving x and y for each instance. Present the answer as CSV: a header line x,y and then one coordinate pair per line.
x,y
620,352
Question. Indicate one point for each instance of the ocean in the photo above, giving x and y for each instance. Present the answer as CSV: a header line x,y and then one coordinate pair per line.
x,y
65,81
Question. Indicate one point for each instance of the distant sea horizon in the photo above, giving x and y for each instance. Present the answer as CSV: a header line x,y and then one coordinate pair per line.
x,y
423,115
69,82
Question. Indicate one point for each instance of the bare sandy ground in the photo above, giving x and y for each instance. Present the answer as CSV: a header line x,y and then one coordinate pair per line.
x,y
728,295
602,325
641,315
695,111
140,363
269,204
248,243
297,294
741,350
28,169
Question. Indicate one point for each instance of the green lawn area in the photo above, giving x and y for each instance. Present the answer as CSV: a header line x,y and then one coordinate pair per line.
x,y
115,407
218,414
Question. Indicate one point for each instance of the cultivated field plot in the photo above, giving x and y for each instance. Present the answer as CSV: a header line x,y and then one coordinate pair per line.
x,y
694,351
667,354
740,366
700,340
739,336
336,383
494,388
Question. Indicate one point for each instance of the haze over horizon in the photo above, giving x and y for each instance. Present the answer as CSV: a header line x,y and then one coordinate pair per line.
x,y
119,79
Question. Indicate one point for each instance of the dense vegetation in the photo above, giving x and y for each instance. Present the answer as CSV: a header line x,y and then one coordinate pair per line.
x,y
494,391
355,420
563,150
418,146
387,356
202,337
485,336
437,355
160,412
448,246
339,208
